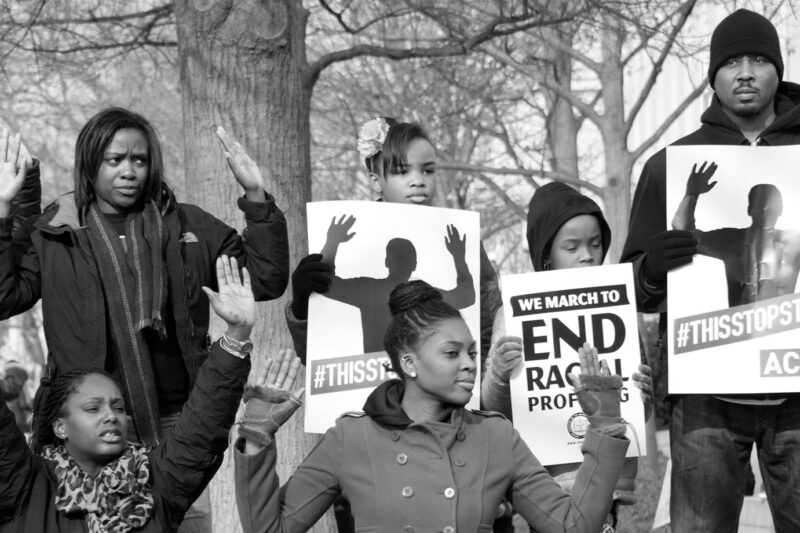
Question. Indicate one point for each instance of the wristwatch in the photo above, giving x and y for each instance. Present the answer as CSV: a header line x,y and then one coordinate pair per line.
x,y
240,349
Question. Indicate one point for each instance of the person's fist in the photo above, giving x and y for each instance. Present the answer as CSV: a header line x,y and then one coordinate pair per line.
x,y
667,250
310,275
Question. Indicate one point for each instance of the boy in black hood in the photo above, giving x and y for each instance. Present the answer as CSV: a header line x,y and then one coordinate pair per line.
x,y
560,215
566,229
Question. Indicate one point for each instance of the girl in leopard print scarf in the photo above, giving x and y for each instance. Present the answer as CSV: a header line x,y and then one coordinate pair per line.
x,y
117,499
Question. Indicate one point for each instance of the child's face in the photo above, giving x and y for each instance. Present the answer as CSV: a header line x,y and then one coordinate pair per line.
x,y
578,243
412,183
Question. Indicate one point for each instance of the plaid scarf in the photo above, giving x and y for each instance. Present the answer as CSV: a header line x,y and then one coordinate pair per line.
x,y
117,500
135,287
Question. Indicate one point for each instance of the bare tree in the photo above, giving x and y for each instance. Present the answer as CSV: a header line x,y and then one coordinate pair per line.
x,y
251,65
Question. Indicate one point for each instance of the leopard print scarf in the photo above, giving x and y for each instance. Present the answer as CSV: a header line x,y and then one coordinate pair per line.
x,y
117,500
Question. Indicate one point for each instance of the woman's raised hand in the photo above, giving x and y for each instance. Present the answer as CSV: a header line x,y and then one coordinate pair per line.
x,y
598,391
13,166
270,402
234,302
245,170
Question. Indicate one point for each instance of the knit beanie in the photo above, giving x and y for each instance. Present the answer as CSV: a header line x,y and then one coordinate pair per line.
x,y
744,32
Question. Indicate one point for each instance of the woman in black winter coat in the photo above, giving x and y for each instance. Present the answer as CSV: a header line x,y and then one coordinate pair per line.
x,y
119,264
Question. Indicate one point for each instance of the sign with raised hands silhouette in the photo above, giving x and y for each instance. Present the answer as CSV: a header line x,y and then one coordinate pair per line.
x,y
735,306
370,248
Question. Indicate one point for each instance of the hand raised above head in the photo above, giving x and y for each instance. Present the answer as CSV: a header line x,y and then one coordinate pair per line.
x,y
244,168
234,302
13,166
270,402
597,389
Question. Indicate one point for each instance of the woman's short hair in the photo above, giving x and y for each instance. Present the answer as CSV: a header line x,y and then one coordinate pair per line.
x,y
416,309
395,147
52,405
93,140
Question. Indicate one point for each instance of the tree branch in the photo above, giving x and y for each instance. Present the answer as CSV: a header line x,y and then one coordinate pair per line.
x,y
656,135
490,30
553,175
538,77
517,210
686,10
157,12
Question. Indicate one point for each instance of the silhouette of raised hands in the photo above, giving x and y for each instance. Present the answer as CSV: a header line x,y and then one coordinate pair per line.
x,y
698,182
456,245
339,231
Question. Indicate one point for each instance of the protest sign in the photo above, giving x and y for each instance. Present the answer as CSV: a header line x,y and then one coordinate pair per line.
x,y
734,312
374,246
555,312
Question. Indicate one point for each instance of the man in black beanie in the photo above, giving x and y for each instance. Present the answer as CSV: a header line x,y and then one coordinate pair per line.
x,y
711,437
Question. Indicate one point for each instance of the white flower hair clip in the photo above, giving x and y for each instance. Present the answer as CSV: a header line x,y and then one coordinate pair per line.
x,y
371,137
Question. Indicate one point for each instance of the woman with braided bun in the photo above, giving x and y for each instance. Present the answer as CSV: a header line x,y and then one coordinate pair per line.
x,y
82,474
416,459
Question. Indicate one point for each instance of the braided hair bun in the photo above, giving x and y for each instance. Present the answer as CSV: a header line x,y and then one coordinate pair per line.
x,y
410,295
416,309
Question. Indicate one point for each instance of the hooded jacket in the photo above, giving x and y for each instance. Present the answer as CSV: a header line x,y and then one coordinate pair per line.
x,y
551,206
648,214
400,475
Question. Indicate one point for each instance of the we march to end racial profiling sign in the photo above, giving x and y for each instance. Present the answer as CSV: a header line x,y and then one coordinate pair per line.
x,y
554,312
345,357
734,312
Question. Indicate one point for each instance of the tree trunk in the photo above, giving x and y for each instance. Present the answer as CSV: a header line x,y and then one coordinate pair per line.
x,y
242,65
562,127
618,164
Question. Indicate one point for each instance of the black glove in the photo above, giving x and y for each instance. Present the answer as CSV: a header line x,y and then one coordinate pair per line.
x,y
311,275
665,251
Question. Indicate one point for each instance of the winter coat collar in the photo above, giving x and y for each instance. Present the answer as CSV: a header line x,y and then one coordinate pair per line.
x,y
62,215
383,406
787,115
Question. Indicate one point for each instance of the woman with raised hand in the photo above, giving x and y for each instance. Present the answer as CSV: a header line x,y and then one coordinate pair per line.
x,y
82,474
119,263
416,459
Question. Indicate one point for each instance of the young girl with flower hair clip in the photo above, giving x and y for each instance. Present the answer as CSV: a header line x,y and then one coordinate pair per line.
x,y
402,165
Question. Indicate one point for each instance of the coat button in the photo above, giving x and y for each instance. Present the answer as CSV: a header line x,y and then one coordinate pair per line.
x,y
407,492
461,436
460,461
449,529
402,458
449,493
408,529
395,436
